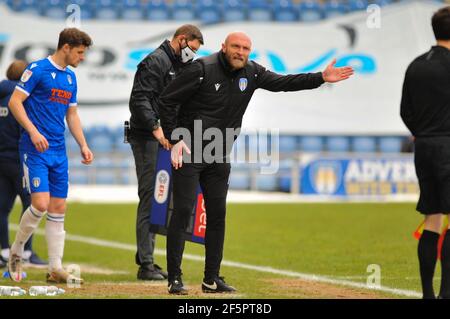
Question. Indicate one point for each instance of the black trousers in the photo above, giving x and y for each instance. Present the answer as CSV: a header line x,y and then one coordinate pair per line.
x,y
10,187
213,180
145,154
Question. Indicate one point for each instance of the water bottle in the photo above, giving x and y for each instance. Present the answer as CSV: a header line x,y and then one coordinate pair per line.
x,y
46,291
11,291
126,131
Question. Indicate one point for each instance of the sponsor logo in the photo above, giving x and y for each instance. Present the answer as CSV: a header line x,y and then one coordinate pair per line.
x,y
200,217
217,86
212,287
4,111
36,182
326,176
61,96
26,76
162,186
243,84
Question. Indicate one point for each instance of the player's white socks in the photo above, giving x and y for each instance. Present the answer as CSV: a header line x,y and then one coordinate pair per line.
x,y
55,235
5,253
29,222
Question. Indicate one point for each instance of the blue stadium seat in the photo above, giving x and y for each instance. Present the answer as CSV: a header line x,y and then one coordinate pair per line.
x,y
79,176
105,170
26,6
87,8
288,143
364,144
311,144
183,10
100,139
233,10
55,9
310,11
390,144
285,175
71,144
208,11
240,180
132,10
382,3
357,5
107,10
284,11
267,182
334,8
119,145
259,10
338,144
157,10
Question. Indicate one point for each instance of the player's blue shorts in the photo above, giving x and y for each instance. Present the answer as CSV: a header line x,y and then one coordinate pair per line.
x,y
46,172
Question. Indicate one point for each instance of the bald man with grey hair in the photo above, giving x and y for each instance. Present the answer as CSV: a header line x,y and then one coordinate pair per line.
x,y
215,92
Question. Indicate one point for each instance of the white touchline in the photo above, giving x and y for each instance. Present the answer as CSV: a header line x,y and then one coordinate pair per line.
x,y
266,269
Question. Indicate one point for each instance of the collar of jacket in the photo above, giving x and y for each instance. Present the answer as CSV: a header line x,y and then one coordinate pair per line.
x,y
226,66
166,47
441,49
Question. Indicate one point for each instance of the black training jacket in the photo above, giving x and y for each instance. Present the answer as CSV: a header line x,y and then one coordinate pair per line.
x,y
210,91
425,105
152,76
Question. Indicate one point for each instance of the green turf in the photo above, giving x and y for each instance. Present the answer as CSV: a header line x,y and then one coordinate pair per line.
x,y
336,240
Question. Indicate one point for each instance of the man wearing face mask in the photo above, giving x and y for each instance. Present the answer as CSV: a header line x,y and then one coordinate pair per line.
x,y
215,91
153,74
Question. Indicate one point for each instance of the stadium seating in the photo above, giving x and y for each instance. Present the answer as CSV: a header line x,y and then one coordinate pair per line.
x,y
55,9
357,5
132,10
288,143
183,10
364,144
208,11
87,8
335,8
337,144
310,11
284,11
233,10
107,10
312,144
158,10
259,10
390,144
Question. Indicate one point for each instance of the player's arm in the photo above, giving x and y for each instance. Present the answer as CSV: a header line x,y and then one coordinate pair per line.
x,y
74,124
406,108
304,81
18,111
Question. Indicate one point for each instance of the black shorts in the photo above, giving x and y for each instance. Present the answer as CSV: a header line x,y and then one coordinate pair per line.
x,y
432,161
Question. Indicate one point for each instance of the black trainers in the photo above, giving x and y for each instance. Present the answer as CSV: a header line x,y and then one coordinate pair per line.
x,y
35,260
161,271
176,287
149,272
217,285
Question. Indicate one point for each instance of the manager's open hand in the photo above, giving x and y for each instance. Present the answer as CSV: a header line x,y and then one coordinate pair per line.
x,y
176,154
332,74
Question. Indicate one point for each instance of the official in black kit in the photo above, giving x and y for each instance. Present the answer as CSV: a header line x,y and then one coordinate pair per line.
x,y
215,90
154,72
425,110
